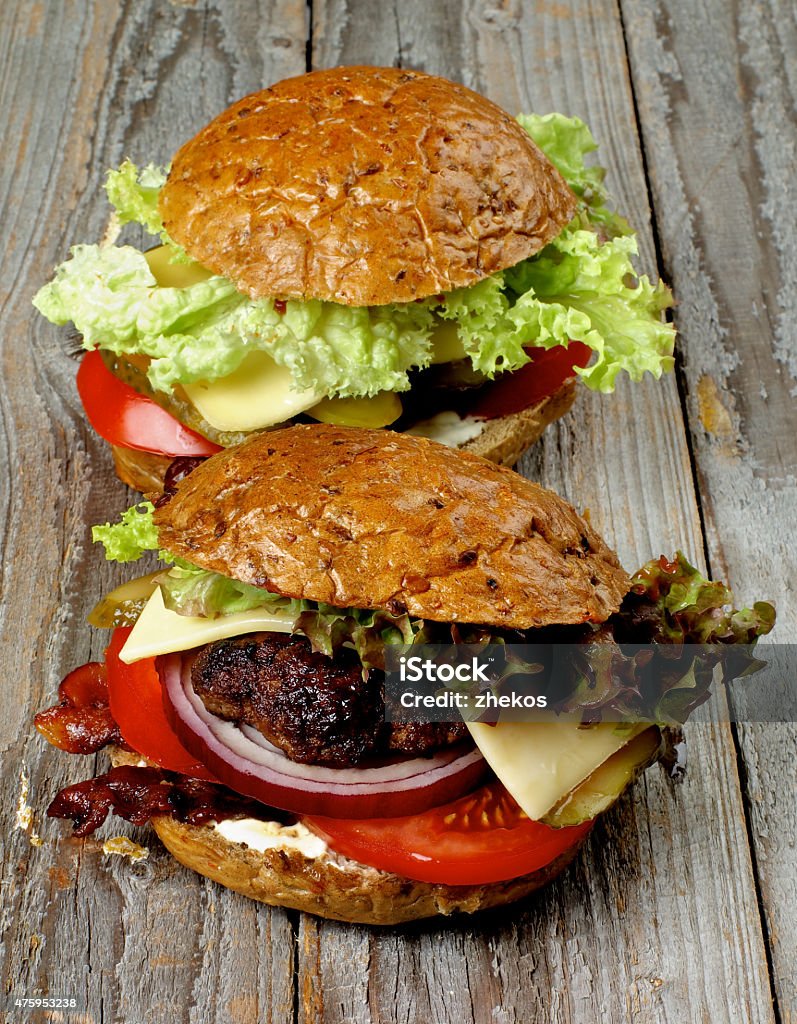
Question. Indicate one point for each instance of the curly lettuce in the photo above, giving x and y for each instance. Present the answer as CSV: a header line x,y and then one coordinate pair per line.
x,y
581,286
578,289
657,657
365,630
189,590
674,603
131,537
134,195
566,141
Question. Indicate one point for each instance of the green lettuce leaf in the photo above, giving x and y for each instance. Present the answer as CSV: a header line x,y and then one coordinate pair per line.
x,y
204,331
577,289
134,195
675,603
190,590
352,351
694,629
100,291
489,337
367,631
127,540
580,289
566,141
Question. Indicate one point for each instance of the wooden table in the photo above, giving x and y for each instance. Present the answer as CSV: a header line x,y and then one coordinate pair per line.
x,y
682,906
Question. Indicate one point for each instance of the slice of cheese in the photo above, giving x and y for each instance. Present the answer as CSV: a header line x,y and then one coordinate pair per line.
x,y
174,275
447,345
541,762
162,631
257,394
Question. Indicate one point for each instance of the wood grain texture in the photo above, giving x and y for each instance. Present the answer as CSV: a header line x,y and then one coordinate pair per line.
x,y
717,96
652,886
658,919
82,86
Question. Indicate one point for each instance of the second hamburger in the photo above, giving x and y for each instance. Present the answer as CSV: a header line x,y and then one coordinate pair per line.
x,y
364,247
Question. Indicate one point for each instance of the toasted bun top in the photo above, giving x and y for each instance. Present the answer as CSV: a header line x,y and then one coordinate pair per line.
x,y
363,186
376,519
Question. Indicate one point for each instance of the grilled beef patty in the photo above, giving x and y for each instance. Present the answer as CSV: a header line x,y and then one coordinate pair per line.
x,y
319,710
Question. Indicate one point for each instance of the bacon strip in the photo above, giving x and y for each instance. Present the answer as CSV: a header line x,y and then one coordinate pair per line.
x,y
81,723
138,794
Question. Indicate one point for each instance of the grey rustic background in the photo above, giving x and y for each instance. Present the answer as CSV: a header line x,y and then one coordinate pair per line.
x,y
682,906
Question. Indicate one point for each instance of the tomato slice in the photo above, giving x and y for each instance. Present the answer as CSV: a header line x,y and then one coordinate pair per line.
x,y
137,707
124,417
479,838
520,389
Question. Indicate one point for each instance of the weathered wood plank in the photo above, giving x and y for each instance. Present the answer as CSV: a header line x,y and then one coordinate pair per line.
x,y
82,86
716,91
644,927
658,919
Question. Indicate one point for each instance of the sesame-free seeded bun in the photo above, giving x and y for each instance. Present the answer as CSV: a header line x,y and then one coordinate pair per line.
x,y
362,186
375,519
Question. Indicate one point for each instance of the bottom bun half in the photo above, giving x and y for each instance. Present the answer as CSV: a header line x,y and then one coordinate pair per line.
x,y
329,884
503,440
142,471
333,886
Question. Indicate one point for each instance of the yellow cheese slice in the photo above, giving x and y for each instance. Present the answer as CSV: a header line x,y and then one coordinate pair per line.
x,y
174,275
257,394
162,631
447,345
541,762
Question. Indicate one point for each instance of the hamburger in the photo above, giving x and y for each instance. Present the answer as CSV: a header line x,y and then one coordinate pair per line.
x,y
358,246
243,697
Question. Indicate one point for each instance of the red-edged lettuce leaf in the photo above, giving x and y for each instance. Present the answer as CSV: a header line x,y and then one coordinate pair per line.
x,y
656,658
672,602
329,628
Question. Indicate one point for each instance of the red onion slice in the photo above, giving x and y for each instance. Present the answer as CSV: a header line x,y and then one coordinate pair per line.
x,y
254,767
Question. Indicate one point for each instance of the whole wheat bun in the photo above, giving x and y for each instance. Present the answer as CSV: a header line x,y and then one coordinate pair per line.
x,y
503,440
330,885
375,519
362,186
143,471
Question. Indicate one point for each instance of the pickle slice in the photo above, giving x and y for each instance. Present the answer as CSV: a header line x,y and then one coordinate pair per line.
x,y
379,411
598,792
123,605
